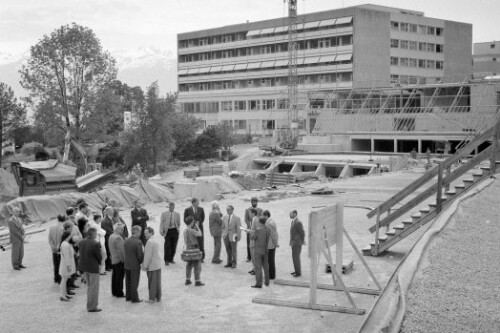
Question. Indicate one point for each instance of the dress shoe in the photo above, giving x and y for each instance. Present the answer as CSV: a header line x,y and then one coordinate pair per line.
x,y
138,301
17,268
70,292
227,266
22,266
248,260
292,273
149,301
64,299
233,266
296,275
199,284
95,310
266,284
252,271
172,262
256,286
120,296
166,263
188,282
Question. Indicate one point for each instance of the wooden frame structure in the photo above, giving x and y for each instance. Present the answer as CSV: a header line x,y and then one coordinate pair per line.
x,y
332,234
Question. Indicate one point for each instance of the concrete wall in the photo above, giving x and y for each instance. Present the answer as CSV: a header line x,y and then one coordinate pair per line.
x,y
371,48
457,51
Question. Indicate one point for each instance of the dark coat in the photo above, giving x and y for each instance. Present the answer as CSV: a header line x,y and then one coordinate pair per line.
x,y
139,217
134,254
199,216
90,256
107,225
297,234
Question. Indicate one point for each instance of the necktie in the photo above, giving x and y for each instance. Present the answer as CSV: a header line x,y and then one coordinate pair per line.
x,y
170,224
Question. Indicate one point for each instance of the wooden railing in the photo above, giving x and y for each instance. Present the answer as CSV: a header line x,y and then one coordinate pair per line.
x,y
445,176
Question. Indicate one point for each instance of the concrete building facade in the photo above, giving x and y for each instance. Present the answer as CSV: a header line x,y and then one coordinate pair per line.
x,y
238,73
486,59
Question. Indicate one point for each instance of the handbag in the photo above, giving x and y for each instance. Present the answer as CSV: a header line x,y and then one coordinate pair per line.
x,y
191,255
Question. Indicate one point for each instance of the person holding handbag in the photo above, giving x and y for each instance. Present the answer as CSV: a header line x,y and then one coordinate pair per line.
x,y
191,235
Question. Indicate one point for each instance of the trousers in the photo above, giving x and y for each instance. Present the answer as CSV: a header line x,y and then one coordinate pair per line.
x,y
217,248
231,250
131,284
170,246
261,262
117,279
17,253
154,285
296,250
196,265
56,260
272,263
92,290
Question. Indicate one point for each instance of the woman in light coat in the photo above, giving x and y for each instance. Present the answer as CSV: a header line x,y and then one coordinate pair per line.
x,y
67,266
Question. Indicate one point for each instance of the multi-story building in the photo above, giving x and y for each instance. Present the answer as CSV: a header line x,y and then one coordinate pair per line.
x,y
486,59
238,73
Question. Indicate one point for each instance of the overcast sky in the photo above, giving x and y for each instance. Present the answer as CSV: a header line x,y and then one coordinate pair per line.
x,y
129,24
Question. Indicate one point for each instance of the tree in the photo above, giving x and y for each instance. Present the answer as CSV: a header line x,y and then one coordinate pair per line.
x,y
150,140
64,69
225,133
12,115
184,129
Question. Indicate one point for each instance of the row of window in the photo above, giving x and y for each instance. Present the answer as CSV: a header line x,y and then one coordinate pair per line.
x,y
414,45
416,28
265,82
409,79
269,32
311,44
420,63
266,66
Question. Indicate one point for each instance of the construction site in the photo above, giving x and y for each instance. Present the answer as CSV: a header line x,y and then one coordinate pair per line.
x,y
395,182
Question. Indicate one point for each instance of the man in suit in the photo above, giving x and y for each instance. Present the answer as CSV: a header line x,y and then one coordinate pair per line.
x,y
198,215
117,251
140,217
107,225
55,234
170,223
260,236
231,233
152,266
297,240
16,232
133,260
273,244
248,220
90,258
215,226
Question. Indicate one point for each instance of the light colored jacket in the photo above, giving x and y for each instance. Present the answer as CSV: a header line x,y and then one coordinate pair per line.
x,y
273,240
55,234
116,248
231,228
152,260
165,221
67,266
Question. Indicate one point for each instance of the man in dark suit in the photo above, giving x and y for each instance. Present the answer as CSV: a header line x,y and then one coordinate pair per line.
x,y
133,259
107,225
140,217
198,215
170,224
90,259
248,221
16,232
297,240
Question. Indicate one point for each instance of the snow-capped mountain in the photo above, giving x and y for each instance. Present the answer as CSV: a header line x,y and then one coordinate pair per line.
x,y
139,67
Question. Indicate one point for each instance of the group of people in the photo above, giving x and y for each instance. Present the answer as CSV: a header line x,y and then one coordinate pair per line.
x,y
88,244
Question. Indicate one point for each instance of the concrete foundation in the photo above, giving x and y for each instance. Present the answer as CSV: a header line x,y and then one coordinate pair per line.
x,y
201,189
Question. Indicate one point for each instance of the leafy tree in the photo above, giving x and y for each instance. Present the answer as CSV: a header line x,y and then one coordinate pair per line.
x,y
150,140
184,129
225,134
12,114
64,69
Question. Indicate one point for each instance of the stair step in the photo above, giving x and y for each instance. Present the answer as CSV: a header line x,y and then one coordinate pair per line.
x,y
460,187
416,217
399,227
477,175
451,193
486,168
383,238
468,181
391,233
367,251
424,210
407,222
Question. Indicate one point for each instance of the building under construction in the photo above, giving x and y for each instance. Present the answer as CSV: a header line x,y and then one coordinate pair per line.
x,y
440,117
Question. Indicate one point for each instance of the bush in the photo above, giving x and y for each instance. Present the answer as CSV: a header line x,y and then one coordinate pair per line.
x,y
31,148
8,153
41,155
110,155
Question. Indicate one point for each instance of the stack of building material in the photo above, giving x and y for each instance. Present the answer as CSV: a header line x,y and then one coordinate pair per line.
x,y
210,170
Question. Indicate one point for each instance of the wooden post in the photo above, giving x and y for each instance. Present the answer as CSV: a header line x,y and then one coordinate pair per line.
x,y
339,227
313,257
494,150
439,195
377,227
447,187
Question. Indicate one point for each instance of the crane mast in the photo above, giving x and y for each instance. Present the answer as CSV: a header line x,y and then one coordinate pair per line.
x,y
292,114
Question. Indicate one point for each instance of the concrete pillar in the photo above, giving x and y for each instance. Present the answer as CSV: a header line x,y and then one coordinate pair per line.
x,y
372,145
395,145
419,146
296,168
346,172
320,170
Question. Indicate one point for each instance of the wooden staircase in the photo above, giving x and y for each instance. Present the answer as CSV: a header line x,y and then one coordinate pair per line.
x,y
446,182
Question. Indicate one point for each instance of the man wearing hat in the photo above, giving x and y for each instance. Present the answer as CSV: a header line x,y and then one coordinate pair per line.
x,y
248,221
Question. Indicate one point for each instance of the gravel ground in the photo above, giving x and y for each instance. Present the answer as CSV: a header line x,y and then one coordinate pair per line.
x,y
458,287
29,301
